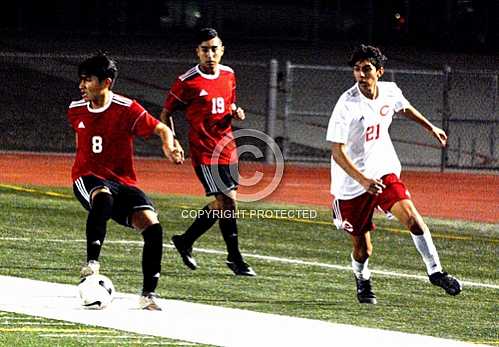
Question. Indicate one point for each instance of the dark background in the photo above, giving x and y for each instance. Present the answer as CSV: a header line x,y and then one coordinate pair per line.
x,y
42,42
448,25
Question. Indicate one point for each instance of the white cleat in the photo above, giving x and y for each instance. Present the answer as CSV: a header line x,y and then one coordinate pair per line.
x,y
91,268
147,302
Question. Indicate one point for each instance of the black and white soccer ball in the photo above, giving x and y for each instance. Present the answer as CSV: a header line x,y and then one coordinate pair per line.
x,y
96,291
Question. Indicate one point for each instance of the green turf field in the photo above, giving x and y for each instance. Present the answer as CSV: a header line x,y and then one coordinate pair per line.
x,y
42,233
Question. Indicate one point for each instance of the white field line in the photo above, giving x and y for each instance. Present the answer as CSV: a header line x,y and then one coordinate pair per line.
x,y
31,323
199,322
272,259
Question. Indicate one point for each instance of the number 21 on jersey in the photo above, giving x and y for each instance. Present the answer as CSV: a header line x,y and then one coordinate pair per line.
x,y
217,105
372,132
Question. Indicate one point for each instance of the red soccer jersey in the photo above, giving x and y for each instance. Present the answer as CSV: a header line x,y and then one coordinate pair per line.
x,y
105,138
206,100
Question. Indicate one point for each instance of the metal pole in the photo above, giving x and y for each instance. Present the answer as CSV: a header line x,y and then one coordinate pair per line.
x,y
495,115
271,110
392,76
445,114
459,151
492,142
473,151
287,106
370,20
495,92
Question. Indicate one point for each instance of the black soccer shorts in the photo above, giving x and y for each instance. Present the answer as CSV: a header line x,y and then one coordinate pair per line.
x,y
218,179
127,199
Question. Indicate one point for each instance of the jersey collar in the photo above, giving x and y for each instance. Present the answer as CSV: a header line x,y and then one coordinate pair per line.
x,y
209,77
103,108
363,97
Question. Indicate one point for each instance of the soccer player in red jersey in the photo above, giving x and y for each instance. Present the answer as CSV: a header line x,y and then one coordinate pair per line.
x,y
207,94
104,179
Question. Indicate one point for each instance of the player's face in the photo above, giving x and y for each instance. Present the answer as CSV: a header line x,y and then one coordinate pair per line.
x,y
366,75
210,53
91,89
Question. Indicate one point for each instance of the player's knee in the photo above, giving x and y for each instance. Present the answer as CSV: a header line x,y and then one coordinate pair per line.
x,y
102,191
363,252
143,219
415,227
361,255
229,205
369,250
215,205
223,202
102,207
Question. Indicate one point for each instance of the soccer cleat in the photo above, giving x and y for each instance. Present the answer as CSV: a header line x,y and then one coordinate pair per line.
x,y
450,284
240,268
365,294
147,302
185,252
91,268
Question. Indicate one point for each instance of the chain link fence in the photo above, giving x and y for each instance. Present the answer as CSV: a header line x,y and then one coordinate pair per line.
x,y
293,106
463,103
38,88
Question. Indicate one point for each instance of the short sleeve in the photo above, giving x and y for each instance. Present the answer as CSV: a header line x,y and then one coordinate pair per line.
x,y
339,123
401,102
143,123
176,97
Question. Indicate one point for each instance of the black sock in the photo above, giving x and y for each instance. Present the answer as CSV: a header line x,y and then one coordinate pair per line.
x,y
151,256
228,227
204,221
100,213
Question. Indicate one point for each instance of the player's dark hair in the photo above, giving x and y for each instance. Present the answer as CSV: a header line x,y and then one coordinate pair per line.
x,y
206,34
99,65
371,53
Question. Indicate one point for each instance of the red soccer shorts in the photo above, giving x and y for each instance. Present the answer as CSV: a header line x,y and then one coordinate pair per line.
x,y
355,215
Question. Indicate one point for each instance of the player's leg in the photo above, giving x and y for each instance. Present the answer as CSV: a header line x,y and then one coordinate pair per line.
x,y
205,219
226,179
226,203
396,199
407,214
354,216
97,198
135,210
362,250
147,222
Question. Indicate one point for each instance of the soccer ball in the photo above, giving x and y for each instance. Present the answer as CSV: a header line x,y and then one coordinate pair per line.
x,y
96,291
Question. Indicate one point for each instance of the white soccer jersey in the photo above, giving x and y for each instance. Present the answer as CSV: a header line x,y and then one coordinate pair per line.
x,y
362,124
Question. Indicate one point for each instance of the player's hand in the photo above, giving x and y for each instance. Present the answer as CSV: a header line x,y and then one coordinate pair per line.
x,y
237,112
440,135
175,154
373,186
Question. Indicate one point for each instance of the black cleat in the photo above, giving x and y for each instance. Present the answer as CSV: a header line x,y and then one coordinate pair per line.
x,y
450,284
240,268
185,252
365,294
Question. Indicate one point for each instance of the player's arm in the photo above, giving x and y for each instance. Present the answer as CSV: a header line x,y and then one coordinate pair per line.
x,y
167,118
413,114
169,149
371,185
